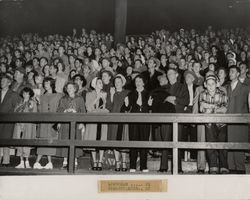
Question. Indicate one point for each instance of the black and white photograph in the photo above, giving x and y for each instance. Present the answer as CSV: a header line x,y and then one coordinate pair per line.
x,y
124,99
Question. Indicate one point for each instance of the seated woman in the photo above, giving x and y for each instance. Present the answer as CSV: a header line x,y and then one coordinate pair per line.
x,y
96,103
70,103
25,130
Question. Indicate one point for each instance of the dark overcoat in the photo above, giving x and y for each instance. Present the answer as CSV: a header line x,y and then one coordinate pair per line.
x,y
238,103
8,105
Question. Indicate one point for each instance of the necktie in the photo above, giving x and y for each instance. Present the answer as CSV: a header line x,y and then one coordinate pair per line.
x,y
139,100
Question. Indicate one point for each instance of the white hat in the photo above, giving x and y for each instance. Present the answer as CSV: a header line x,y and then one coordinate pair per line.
x,y
122,77
233,54
234,61
93,82
95,64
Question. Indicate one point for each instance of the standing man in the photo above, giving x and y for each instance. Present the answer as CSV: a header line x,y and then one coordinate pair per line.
x,y
162,132
179,96
63,56
237,103
201,154
243,74
19,80
9,99
60,81
190,130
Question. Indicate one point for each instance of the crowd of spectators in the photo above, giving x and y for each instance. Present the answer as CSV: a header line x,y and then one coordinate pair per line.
x,y
186,71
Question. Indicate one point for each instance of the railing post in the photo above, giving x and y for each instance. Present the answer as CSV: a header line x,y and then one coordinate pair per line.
x,y
175,150
71,160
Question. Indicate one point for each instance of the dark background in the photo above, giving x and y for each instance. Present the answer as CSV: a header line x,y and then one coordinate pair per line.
x,y
143,16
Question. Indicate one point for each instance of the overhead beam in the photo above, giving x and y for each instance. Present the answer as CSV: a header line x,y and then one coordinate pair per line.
x,y
120,20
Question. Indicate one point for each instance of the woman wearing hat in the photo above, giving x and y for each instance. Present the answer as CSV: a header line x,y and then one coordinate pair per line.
x,y
116,131
25,130
96,103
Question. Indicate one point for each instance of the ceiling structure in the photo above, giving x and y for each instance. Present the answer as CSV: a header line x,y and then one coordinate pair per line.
x,y
143,16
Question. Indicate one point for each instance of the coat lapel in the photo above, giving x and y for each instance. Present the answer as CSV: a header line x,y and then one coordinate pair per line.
x,y
6,97
247,81
236,90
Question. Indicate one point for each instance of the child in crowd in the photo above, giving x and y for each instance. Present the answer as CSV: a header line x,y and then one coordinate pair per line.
x,y
214,100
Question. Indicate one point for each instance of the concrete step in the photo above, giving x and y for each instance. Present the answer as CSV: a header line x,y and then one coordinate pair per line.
x,y
187,166
84,166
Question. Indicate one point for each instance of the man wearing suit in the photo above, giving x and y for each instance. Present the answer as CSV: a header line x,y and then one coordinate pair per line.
x,y
237,103
19,80
243,74
162,132
151,75
189,130
201,154
245,80
9,99
179,96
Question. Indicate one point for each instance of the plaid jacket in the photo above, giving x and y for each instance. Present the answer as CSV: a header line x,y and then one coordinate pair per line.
x,y
219,100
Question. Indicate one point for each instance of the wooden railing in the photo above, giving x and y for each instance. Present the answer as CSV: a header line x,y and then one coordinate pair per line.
x,y
73,119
